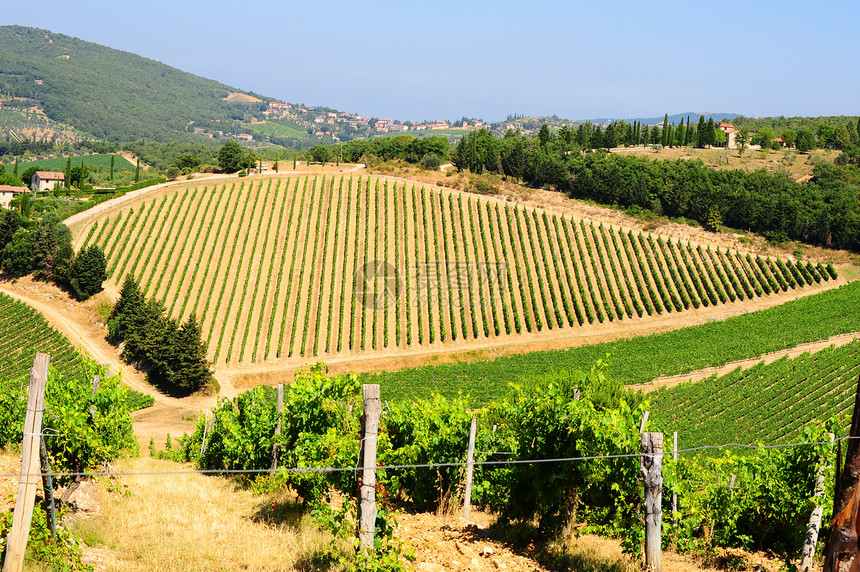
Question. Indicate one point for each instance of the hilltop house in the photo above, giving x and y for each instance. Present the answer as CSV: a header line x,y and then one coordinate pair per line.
x,y
8,192
46,180
730,132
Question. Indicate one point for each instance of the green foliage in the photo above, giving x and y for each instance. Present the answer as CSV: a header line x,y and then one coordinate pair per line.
x,y
88,272
63,553
805,319
766,507
83,429
231,157
769,403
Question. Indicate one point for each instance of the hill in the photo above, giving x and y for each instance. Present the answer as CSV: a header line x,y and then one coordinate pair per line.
x,y
766,403
111,94
287,269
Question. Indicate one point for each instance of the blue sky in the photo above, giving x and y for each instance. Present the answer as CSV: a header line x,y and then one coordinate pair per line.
x,y
476,58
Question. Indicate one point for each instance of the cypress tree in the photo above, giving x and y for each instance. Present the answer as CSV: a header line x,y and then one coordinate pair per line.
x,y
682,133
664,136
712,132
689,132
15,170
700,133
68,172
112,157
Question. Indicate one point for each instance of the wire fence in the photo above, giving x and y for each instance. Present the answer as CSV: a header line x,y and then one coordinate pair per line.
x,y
107,473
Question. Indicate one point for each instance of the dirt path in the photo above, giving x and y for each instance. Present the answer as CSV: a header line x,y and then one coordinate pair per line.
x,y
76,321
811,347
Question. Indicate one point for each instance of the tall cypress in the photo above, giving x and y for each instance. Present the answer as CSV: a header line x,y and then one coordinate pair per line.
x,y
664,136
712,132
700,133
682,133
15,170
689,133
137,171
112,157
68,173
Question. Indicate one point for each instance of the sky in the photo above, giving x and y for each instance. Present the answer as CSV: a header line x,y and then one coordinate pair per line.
x,y
476,58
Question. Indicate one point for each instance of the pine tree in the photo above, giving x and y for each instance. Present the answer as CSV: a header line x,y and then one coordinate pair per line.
x,y
190,368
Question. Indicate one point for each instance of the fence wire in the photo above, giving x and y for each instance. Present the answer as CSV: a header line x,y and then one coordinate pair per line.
x,y
302,470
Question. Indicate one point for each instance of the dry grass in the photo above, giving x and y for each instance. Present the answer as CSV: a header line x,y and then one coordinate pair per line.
x,y
191,522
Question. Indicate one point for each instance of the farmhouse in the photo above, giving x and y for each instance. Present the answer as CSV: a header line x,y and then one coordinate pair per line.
x,y
730,132
46,180
8,192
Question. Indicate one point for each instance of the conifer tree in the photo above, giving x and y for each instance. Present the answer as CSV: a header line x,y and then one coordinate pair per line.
x,y
682,133
664,137
700,133
712,132
15,169
112,157
68,172
137,171
689,133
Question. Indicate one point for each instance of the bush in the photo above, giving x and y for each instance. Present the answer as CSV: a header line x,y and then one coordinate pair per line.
x,y
431,162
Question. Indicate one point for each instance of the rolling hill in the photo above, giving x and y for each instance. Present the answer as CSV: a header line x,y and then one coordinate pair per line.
x,y
111,94
287,269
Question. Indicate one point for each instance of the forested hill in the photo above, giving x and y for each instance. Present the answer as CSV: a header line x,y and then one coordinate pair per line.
x,y
109,93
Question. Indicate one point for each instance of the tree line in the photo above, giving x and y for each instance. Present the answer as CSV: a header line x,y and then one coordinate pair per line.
x,y
824,211
172,353
44,248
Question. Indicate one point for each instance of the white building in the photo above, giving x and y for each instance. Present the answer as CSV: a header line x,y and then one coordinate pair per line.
x,y
46,180
8,192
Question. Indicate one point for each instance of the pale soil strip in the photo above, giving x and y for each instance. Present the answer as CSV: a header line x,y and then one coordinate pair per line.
x,y
398,238
120,253
585,276
129,252
484,264
110,238
662,266
347,340
518,257
476,298
373,303
423,322
458,242
200,214
317,195
147,239
335,268
189,282
407,262
150,264
698,375
258,269
424,277
205,286
249,223
317,282
558,261
614,266
348,254
171,262
277,305
222,277
445,266
154,269
514,288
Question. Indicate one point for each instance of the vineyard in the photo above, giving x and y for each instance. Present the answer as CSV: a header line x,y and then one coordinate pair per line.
x,y
23,332
307,267
766,403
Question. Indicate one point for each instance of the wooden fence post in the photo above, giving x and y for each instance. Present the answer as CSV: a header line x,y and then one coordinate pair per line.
x,y
674,493
16,541
814,526
644,421
470,459
95,390
367,504
277,428
652,461
842,545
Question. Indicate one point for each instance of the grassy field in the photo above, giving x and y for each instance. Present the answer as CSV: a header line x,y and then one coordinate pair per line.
x,y
59,163
285,270
641,359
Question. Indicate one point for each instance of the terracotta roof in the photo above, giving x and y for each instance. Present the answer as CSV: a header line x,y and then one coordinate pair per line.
x,y
11,189
51,175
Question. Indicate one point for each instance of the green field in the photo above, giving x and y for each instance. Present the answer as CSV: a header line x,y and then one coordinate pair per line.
x,y
639,360
275,128
766,403
59,163
23,332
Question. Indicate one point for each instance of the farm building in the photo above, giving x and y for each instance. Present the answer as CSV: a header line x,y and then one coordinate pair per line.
x,y
8,192
46,180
